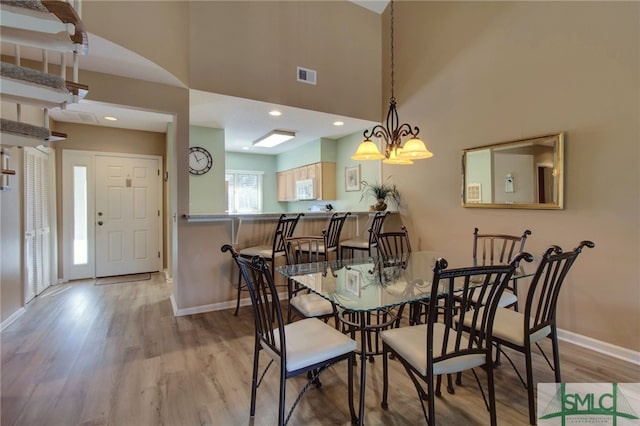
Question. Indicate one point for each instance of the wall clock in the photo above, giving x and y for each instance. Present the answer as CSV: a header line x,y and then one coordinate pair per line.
x,y
200,160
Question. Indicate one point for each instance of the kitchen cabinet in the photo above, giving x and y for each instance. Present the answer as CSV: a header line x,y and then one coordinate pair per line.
x,y
322,174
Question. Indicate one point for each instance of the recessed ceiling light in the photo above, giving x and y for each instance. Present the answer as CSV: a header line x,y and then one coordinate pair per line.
x,y
245,148
275,113
108,117
338,123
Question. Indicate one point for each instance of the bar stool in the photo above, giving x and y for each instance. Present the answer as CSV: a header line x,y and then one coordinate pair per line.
x,y
285,228
364,245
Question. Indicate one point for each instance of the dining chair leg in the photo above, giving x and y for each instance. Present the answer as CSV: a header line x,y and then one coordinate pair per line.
x,y
492,392
385,377
530,396
556,354
239,291
254,378
283,383
352,409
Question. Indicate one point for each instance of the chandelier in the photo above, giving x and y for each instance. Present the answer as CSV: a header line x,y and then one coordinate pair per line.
x,y
393,132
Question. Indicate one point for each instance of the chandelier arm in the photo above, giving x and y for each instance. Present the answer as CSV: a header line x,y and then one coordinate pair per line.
x,y
378,132
406,130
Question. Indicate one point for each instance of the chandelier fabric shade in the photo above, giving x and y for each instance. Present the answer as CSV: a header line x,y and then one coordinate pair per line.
x,y
393,132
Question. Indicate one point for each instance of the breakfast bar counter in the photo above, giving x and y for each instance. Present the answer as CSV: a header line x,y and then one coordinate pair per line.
x,y
212,285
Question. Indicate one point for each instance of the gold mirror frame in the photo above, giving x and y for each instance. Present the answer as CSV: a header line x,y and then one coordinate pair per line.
x,y
521,174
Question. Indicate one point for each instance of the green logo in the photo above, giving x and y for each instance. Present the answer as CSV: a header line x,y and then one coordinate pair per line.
x,y
588,403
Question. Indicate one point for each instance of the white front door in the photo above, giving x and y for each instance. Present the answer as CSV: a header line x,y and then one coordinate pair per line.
x,y
127,215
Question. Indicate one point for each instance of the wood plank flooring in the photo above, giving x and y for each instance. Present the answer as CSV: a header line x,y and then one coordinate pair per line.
x,y
115,355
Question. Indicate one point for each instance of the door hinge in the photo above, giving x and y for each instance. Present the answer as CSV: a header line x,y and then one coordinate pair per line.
x,y
158,172
158,213
158,255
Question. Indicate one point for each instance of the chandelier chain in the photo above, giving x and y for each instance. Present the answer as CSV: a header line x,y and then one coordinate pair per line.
x,y
393,97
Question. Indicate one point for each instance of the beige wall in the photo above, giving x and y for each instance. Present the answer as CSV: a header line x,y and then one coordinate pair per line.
x,y
474,73
251,49
157,30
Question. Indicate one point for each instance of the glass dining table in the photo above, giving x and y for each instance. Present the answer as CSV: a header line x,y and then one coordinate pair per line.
x,y
362,286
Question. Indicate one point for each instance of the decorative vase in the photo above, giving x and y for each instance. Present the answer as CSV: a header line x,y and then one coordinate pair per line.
x,y
380,205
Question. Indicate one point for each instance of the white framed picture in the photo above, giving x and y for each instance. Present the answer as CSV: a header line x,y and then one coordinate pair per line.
x,y
352,178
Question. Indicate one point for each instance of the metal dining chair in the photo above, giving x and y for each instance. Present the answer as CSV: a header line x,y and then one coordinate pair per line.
x,y
439,347
302,302
306,346
491,249
394,249
331,235
521,330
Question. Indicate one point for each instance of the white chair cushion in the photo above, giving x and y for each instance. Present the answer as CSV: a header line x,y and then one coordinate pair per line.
x,y
311,341
411,344
311,305
355,244
506,299
264,251
509,325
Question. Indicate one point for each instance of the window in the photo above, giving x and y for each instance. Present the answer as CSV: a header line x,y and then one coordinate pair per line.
x,y
80,240
244,191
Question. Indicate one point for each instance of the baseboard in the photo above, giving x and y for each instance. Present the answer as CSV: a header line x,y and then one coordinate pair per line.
x,y
17,314
231,304
605,348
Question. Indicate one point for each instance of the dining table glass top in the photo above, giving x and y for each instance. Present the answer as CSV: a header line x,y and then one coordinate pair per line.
x,y
366,284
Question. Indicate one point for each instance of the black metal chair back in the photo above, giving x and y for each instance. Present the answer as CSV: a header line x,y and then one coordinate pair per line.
x,y
393,247
332,233
304,249
285,229
497,248
376,227
542,298
264,299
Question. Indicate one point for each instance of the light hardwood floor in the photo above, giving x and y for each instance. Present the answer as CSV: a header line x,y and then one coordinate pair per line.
x,y
115,355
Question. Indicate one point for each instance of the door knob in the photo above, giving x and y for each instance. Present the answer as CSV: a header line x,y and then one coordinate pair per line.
x,y
100,223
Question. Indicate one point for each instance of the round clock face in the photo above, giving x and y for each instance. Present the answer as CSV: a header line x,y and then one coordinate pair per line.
x,y
200,160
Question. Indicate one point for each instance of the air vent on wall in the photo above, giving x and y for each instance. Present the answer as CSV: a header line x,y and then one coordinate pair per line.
x,y
306,75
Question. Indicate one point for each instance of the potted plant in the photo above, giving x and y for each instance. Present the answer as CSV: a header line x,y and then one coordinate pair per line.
x,y
381,192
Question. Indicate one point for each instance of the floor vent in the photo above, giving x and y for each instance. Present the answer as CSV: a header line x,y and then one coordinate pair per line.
x,y
306,75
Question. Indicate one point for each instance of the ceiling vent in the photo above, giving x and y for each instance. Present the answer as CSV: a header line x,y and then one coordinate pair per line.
x,y
87,118
307,75
80,117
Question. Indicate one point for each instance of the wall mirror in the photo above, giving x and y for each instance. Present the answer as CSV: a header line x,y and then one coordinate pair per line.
x,y
522,174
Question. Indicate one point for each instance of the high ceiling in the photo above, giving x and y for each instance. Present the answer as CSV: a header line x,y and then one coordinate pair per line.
x,y
243,120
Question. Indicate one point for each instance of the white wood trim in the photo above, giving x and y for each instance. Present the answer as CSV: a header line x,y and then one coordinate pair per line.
x,y
220,306
605,348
